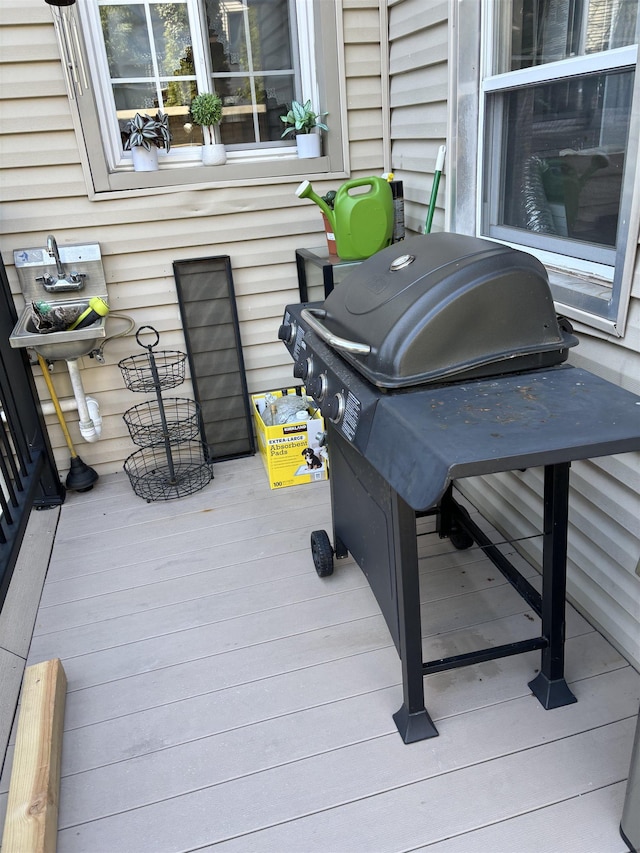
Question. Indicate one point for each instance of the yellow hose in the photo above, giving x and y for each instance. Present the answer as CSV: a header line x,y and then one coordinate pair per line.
x,y
56,405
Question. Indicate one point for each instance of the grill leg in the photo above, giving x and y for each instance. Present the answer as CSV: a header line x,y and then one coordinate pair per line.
x,y
412,719
549,686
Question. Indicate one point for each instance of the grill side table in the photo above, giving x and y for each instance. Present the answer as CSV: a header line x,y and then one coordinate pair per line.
x,y
319,272
542,419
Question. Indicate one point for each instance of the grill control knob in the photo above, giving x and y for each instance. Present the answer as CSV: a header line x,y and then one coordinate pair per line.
x,y
317,387
335,409
308,368
287,332
304,369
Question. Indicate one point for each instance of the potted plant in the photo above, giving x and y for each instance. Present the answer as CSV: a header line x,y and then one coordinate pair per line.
x,y
302,120
206,110
143,135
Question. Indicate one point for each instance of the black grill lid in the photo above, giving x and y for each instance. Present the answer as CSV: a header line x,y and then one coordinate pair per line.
x,y
440,307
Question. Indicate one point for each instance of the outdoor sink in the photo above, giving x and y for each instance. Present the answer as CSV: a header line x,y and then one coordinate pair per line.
x,y
57,345
46,274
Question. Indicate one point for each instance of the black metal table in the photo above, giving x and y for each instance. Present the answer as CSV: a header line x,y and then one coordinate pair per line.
x,y
418,444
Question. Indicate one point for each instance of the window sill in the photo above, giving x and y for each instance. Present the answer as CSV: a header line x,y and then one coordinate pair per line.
x,y
585,294
170,179
583,298
591,287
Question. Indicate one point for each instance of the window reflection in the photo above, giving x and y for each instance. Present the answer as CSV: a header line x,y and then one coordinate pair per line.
x,y
565,152
551,30
150,58
151,65
252,67
126,40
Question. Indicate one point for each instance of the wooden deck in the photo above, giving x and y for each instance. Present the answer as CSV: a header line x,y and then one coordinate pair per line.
x,y
222,696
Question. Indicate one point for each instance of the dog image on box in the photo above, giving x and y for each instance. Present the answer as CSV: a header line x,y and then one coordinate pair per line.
x,y
311,459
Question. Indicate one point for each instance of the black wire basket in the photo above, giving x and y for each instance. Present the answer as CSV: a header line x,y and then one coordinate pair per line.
x,y
146,426
156,477
171,462
150,371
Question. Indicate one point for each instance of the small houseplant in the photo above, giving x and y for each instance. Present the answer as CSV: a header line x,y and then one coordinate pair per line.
x,y
143,135
302,120
206,111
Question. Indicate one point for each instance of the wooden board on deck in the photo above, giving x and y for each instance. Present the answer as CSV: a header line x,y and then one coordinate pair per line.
x,y
32,810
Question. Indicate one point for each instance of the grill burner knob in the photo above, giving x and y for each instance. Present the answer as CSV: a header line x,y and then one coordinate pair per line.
x,y
335,409
304,369
287,332
317,387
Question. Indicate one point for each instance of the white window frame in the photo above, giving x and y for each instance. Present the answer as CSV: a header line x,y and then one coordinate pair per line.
x,y
596,294
116,158
108,171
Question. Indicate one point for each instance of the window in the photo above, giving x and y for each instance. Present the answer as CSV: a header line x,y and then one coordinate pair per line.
x,y
558,143
258,55
251,50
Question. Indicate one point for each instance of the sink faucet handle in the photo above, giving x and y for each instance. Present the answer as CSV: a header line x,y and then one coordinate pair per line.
x,y
46,279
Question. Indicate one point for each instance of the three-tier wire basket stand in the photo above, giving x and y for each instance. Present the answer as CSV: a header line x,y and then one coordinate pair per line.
x,y
172,461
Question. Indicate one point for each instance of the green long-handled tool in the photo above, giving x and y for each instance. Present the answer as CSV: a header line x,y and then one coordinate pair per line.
x,y
434,189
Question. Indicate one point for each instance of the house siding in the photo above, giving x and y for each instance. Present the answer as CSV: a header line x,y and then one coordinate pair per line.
x,y
604,532
418,47
258,226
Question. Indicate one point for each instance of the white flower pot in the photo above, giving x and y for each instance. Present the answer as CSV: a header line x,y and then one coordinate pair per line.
x,y
143,160
308,145
214,155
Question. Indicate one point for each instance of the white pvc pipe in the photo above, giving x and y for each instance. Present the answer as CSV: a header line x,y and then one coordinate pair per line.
x,y
67,404
94,414
70,404
89,429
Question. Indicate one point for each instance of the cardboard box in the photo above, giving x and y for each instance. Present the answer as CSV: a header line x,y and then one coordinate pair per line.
x,y
292,453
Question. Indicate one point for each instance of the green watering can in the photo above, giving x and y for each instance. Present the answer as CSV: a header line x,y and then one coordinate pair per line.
x,y
362,222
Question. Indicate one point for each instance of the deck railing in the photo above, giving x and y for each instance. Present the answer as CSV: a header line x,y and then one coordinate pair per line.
x,y
28,474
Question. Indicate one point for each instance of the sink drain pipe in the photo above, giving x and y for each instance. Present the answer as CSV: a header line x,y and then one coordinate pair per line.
x,y
90,421
69,404
81,477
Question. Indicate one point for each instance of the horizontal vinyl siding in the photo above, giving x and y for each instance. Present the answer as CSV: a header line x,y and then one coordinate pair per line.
x,y
258,227
418,46
365,46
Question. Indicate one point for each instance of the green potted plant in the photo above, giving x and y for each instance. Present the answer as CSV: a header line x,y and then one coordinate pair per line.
x,y
143,135
302,120
206,111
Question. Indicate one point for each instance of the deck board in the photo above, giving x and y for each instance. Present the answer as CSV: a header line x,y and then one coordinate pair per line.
x,y
222,696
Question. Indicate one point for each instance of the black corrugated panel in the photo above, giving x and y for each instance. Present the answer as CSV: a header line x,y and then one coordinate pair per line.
x,y
210,321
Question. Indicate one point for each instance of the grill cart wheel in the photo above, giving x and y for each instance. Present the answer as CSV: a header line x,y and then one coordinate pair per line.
x,y
459,538
322,553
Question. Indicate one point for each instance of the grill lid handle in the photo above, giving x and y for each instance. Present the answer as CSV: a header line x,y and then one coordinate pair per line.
x,y
311,315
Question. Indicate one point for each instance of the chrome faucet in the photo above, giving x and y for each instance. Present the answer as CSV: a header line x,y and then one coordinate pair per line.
x,y
73,281
52,248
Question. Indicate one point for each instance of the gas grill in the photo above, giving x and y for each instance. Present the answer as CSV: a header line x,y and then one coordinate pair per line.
x,y
437,359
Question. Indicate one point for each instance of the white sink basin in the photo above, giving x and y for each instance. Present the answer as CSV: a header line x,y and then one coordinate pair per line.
x,y
56,346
